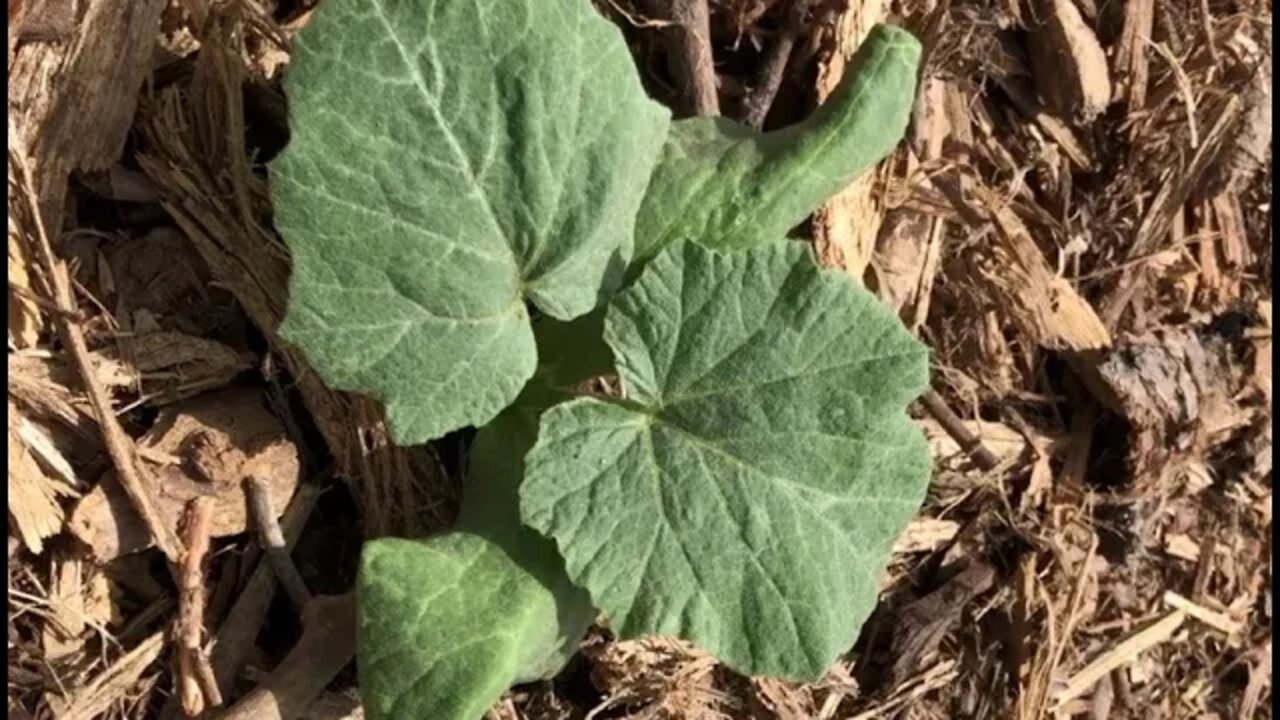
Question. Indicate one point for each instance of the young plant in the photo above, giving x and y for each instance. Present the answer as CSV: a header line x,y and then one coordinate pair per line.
x,y
456,162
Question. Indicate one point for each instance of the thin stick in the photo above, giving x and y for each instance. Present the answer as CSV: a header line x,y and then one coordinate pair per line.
x,y
239,629
689,52
970,443
194,678
759,101
119,445
327,644
272,539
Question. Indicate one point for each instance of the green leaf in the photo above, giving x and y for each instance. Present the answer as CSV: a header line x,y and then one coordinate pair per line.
x,y
449,160
747,493
449,623
727,186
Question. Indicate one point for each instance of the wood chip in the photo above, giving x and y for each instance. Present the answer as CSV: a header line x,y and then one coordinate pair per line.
x,y
1120,654
72,102
1068,63
1259,681
1003,441
1166,208
1132,63
35,495
922,625
25,318
1043,304
201,447
1218,620
79,599
114,683
1181,546
925,535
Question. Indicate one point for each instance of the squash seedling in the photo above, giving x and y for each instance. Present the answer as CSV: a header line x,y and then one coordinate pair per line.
x,y
484,208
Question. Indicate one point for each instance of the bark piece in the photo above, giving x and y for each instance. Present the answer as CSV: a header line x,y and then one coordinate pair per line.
x,y
203,447
1249,147
1067,61
1176,389
924,623
72,102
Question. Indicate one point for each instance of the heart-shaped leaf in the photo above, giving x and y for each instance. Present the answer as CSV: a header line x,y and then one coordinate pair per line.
x,y
451,159
726,186
747,493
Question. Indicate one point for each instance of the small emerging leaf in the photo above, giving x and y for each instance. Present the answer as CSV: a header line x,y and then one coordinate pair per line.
x,y
450,160
726,186
746,494
449,623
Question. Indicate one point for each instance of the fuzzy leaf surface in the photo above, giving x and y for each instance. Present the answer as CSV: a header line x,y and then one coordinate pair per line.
x,y
747,492
727,186
449,161
449,623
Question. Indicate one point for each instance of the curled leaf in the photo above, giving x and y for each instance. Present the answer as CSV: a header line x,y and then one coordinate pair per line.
x,y
727,186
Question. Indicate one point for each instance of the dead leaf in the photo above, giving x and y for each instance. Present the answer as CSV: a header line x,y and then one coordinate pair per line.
x,y
202,447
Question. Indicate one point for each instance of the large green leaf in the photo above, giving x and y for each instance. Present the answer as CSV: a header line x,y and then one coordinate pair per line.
x,y
747,493
449,623
727,186
449,160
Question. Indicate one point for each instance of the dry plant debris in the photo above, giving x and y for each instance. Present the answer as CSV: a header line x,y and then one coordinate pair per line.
x,y
1078,226
201,448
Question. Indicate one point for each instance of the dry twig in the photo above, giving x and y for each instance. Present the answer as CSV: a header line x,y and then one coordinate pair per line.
x,y
273,544
196,684
757,104
970,443
119,446
689,52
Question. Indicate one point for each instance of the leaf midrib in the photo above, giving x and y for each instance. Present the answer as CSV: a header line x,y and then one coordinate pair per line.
x,y
450,138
